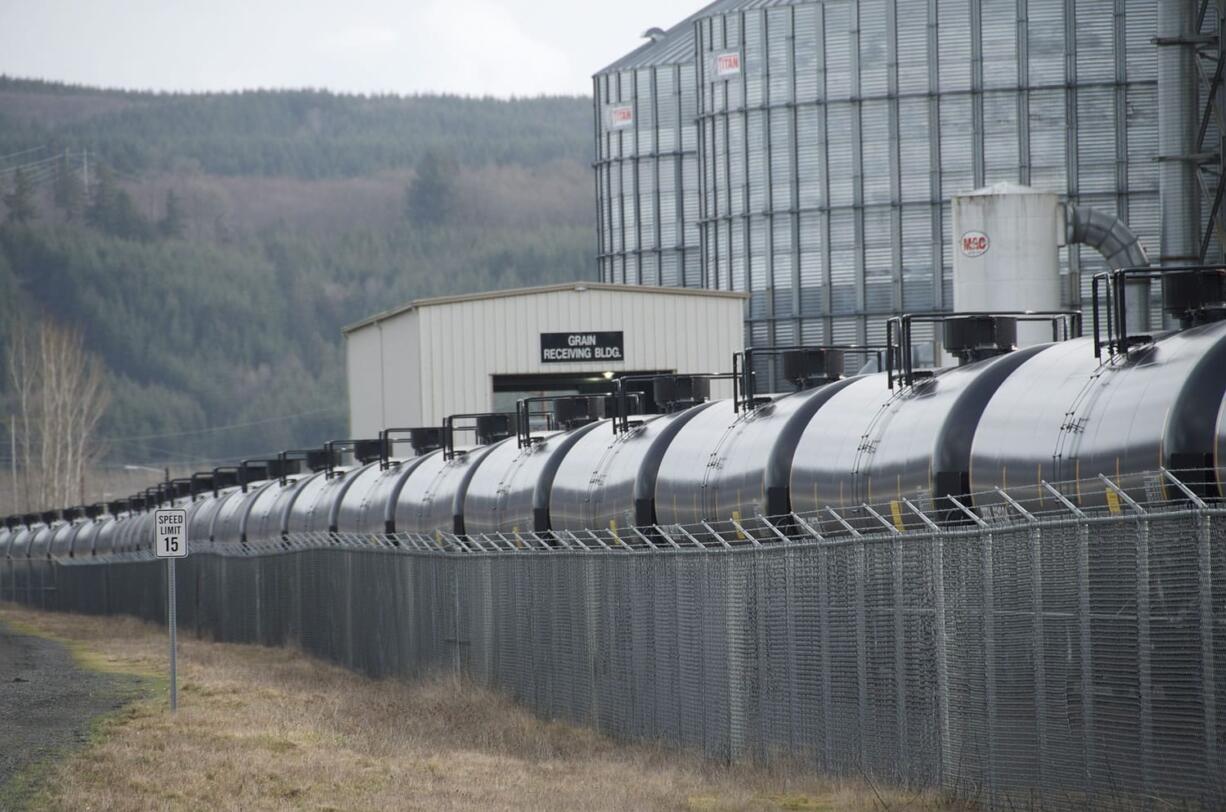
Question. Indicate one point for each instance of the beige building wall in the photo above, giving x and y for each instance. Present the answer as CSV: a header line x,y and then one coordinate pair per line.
x,y
419,363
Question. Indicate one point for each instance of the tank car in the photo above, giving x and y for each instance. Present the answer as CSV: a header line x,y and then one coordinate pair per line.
x,y
262,485
1123,409
1219,453
84,540
369,506
729,465
905,434
510,490
431,500
608,478
62,538
267,515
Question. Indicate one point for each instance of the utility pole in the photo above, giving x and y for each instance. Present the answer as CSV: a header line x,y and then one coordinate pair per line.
x,y
13,458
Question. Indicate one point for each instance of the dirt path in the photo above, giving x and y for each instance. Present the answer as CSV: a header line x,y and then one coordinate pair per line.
x,y
46,705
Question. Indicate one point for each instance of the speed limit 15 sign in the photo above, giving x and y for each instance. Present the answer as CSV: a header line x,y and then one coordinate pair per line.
x,y
171,533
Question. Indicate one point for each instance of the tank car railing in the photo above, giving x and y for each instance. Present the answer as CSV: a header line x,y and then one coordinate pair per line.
x,y
1041,503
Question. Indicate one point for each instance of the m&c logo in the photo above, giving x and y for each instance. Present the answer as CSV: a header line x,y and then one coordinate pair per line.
x,y
975,244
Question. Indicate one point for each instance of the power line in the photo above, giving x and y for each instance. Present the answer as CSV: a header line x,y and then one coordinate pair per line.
x,y
21,152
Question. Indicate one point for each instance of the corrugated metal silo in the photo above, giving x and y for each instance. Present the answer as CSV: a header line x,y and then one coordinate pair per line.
x,y
833,134
647,163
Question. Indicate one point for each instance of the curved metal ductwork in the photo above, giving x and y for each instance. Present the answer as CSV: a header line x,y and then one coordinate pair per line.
x,y
1107,234
1119,246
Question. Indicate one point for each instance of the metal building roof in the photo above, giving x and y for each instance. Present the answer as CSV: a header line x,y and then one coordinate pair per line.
x,y
676,46
637,290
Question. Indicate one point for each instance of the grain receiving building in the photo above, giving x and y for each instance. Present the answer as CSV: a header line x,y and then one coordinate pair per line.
x,y
417,364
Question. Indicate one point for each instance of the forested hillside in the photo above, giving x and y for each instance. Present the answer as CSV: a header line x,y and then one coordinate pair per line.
x,y
211,247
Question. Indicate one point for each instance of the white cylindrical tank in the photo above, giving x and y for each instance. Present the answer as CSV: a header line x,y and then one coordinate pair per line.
x,y
1006,242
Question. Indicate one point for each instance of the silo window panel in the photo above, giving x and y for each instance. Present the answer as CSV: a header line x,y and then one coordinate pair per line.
x,y
1096,141
811,300
954,45
1095,38
1046,38
842,186
693,269
1140,21
879,295
912,47
838,51
1001,146
957,164
874,75
1142,116
810,227
1048,138
809,158
917,289
757,274
845,331
875,135
999,36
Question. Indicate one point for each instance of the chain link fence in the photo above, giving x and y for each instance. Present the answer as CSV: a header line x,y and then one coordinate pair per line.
x,y
1043,659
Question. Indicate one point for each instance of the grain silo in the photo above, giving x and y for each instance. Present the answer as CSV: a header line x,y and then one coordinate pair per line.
x,y
647,162
833,134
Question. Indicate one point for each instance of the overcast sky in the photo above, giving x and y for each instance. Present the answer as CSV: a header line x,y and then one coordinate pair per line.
x,y
473,47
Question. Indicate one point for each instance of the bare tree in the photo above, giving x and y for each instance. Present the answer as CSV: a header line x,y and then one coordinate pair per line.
x,y
60,394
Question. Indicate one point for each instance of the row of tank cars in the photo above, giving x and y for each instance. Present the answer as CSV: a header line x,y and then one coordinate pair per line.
x,y
1109,416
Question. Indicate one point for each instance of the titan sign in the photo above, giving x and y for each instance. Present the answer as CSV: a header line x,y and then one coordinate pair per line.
x,y
580,347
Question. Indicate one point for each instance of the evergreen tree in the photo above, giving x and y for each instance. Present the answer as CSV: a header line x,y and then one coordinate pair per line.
x,y
431,195
113,210
68,191
20,201
173,223
102,202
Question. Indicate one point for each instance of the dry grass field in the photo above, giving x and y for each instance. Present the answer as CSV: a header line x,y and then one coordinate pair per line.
x,y
265,728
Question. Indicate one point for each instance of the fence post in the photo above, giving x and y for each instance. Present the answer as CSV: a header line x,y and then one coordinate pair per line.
x,y
1144,664
1087,656
989,665
823,612
900,662
1040,664
942,656
455,622
861,575
1209,675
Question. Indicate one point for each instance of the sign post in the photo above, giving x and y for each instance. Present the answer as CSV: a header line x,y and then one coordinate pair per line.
x,y
171,543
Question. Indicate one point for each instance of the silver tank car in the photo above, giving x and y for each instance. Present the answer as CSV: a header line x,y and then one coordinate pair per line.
x,y
61,540
608,480
83,546
267,519
432,498
510,490
726,466
1066,417
104,541
311,511
231,509
1219,454
370,505
874,445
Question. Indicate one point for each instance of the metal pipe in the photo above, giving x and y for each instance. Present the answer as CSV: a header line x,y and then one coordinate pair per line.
x,y
1120,247
1177,121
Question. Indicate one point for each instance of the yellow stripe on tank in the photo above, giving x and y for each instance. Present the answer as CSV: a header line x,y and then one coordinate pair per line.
x,y
896,514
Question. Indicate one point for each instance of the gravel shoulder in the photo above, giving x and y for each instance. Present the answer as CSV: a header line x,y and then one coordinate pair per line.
x,y
47,704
